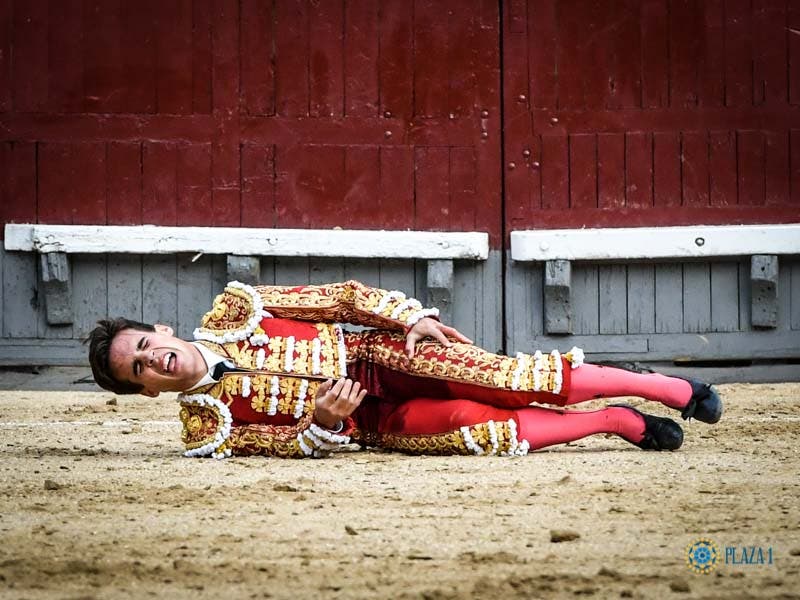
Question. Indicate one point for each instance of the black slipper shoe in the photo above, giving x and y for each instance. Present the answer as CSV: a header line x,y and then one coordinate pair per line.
x,y
705,404
660,433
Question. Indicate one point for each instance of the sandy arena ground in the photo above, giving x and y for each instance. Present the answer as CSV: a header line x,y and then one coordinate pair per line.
x,y
98,503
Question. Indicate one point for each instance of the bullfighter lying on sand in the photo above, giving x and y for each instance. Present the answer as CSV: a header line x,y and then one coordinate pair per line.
x,y
271,371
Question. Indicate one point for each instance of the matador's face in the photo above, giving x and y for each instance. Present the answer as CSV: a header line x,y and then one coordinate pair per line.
x,y
157,360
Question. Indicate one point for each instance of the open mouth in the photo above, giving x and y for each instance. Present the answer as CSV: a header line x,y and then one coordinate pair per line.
x,y
168,362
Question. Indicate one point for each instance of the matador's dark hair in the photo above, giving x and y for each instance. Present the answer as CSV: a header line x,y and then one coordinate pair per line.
x,y
100,347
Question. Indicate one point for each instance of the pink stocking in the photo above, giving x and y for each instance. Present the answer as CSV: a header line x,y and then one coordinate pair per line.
x,y
594,381
543,427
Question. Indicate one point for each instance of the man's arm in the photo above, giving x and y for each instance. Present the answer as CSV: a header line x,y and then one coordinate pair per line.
x,y
349,302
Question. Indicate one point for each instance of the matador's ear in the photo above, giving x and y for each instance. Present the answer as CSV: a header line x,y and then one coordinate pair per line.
x,y
165,329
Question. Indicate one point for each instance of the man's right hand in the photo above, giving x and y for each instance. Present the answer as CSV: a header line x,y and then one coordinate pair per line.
x,y
337,401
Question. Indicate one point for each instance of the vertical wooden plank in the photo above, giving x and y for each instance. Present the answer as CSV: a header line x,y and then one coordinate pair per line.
x,y
722,168
641,298
582,171
103,83
361,186
524,301
585,299
72,183
522,192
257,75
612,299
226,159
490,295
463,58
159,165
431,188
43,328
464,309
770,52
398,274
724,296
327,57
124,183
625,87
396,196
20,186
639,169
325,270
395,63
292,270
745,293
258,186
430,39
6,35
89,199
784,294
138,56
201,56
711,61
29,58
694,158
174,85
364,270
360,59
463,175
610,170
794,266
160,290
685,30
739,53
488,97
125,286
542,47
20,295
193,185
794,170
310,186
555,172
696,297
291,58
776,175
669,298
568,57
792,25
655,54
595,48
89,292
750,151
666,169
65,56
194,293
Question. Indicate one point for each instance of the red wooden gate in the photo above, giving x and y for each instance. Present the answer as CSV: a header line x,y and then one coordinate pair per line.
x,y
651,112
306,113
212,112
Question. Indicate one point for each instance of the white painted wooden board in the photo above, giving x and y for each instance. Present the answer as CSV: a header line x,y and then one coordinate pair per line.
x,y
655,242
152,239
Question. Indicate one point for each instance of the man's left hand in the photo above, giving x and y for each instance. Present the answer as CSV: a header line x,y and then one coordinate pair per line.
x,y
427,327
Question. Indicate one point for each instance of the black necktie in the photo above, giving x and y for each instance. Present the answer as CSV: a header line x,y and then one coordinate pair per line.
x,y
221,368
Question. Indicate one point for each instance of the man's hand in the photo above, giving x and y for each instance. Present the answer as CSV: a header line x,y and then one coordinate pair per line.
x,y
427,327
337,401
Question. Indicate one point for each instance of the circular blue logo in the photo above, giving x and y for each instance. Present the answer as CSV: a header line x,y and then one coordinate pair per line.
x,y
702,556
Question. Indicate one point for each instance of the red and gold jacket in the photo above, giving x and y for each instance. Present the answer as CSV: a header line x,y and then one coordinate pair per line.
x,y
288,332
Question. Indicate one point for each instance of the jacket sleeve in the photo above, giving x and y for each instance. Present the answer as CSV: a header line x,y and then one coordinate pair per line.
x,y
304,440
349,302
208,431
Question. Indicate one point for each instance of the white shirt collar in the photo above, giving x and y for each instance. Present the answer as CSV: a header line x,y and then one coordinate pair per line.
x,y
211,359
